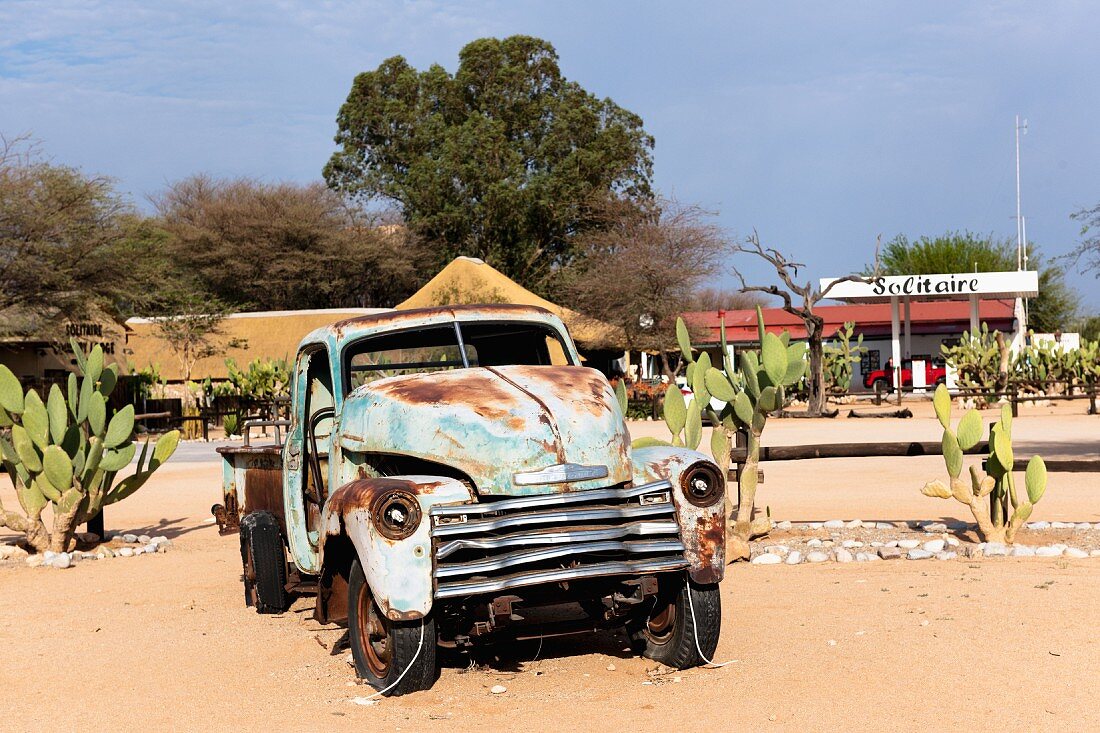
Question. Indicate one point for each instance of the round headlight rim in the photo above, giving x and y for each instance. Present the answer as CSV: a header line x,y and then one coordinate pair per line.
x,y
716,490
385,501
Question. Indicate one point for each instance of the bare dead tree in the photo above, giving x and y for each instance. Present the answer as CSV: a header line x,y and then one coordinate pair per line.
x,y
799,300
643,267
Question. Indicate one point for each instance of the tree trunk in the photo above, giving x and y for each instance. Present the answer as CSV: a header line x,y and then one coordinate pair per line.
x,y
815,381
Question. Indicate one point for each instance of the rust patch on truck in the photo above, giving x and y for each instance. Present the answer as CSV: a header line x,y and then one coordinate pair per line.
x,y
263,491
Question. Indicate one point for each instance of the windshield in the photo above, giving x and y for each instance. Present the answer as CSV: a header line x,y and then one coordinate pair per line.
x,y
452,346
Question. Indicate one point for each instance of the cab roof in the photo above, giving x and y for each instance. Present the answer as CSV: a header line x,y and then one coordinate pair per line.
x,y
338,333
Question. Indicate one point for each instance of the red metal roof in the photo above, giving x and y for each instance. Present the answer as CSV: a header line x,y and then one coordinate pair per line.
x,y
871,319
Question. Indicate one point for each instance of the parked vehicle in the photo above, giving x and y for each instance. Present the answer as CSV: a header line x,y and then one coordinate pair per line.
x,y
450,475
882,380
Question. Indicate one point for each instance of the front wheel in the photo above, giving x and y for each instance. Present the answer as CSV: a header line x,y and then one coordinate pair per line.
x,y
680,631
396,658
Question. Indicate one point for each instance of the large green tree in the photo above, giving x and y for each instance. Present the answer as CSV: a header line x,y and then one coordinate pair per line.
x,y
499,160
1053,309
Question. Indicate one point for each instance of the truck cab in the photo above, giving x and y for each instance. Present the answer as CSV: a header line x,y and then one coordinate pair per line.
x,y
455,476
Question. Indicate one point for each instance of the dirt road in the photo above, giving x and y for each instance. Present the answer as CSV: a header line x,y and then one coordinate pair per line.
x,y
165,641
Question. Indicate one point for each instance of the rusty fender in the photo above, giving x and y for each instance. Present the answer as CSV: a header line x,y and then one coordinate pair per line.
x,y
702,529
398,571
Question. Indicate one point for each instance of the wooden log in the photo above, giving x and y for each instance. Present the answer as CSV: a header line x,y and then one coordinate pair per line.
x,y
896,413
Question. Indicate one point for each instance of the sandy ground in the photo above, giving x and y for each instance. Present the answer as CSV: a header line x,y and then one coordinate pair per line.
x,y
166,641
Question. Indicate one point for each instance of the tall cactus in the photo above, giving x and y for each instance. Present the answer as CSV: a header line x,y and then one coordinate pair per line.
x,y
65,453
839,358
991,496
749,391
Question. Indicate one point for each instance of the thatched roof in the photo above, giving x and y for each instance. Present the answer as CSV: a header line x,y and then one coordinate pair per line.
x,y
261,335
468,281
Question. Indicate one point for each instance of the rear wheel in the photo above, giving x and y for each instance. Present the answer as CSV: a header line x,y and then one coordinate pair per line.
x,y
680,631
394,657
264,561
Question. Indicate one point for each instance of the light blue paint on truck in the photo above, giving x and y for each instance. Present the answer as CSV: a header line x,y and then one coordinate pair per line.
x,y
466,465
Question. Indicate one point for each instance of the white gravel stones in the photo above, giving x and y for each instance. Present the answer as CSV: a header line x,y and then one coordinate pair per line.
x,y
834,524
854,524
817,556
34,561
815,525
129,538
1038,525
1075,552
862,557
851,544
1023,551
767,559
935,527
1094,553
785,524
918,554
946,555
780,550
126,552
952,541
1049,551
843,555
62,561
884,525
794,558
1061,525
908,544
498,689
993,549
933,546
144,539
815,542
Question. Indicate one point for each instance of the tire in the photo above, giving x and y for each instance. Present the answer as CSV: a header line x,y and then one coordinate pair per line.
x,y
383,649
670,634
264,560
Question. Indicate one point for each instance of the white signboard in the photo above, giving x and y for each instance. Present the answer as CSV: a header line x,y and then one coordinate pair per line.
x,y
951,286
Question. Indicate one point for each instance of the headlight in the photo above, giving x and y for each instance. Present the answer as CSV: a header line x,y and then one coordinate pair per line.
x,y
702,484
396,514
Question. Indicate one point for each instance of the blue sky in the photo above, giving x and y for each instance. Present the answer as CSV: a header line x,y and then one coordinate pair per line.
x,y
819,125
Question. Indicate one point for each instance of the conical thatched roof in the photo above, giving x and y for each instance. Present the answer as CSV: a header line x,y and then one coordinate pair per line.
x,y
468,280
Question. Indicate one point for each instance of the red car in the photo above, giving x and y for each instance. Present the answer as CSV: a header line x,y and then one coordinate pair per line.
x,y
882,380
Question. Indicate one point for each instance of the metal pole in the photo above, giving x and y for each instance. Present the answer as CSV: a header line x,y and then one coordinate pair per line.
x,y
1019,227
895,345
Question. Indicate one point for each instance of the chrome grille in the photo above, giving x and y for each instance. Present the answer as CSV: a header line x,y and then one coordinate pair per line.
x,y
511,543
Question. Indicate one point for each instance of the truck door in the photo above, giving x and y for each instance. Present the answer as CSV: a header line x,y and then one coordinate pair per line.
x,y
305,461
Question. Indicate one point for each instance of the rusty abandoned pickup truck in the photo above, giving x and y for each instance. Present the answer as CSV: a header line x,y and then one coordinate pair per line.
x,y
454,476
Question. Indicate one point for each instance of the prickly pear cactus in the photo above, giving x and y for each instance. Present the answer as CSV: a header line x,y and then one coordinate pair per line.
x,y
991,496
749,392
66,454
840,355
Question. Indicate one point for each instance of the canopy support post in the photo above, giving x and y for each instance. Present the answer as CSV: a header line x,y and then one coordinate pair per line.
x,y
895,345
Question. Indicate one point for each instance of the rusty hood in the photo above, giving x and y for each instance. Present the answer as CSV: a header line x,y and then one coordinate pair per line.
x,y
492,423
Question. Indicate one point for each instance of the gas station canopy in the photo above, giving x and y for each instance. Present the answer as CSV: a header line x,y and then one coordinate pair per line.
x,y
952,286
901,290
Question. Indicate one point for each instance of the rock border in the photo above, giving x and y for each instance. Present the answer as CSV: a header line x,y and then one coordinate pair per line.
x,y
848,541
116,545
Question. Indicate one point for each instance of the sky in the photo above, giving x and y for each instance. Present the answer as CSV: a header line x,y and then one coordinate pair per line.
x,y
820,126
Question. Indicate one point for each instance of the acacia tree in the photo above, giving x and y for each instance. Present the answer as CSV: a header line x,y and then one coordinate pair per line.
x,y
1088,250
798,300
64,240
284,246
498,160
643,267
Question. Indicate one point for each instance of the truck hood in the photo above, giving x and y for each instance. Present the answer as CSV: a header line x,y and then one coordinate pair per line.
x,y
494,422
